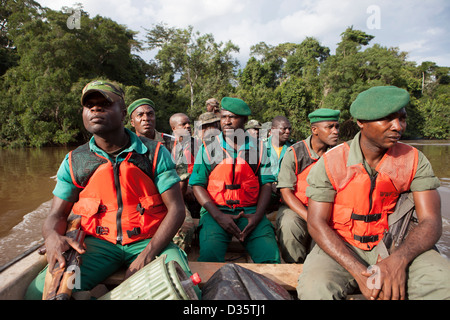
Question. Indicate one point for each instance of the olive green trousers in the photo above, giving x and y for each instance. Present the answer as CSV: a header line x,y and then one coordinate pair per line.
x,y
323,278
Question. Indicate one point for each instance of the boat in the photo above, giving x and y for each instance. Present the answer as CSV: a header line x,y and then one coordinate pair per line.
x,y
17,275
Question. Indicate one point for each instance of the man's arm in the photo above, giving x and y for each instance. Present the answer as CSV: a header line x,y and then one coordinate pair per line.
x,y
226,221
255,218
173,220
294,203
54,229
393,268
329,241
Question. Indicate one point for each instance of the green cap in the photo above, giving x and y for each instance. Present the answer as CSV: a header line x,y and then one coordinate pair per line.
x,y
378,102
139,102
107,89
324,114
235,105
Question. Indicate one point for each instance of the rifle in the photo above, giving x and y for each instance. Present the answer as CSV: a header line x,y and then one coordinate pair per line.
x,y
59,282
401,222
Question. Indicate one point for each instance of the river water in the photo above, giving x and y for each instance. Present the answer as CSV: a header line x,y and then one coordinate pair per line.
x,y
27,178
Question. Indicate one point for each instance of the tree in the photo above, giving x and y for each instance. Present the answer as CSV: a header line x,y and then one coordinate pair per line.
x,y
194,61
51,59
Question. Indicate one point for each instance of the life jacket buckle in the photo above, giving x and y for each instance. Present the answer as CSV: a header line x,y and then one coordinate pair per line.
x,y
140,209
102,231
134,232
232,202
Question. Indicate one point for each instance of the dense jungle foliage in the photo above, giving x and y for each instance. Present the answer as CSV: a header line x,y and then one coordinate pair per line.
x,y
44,64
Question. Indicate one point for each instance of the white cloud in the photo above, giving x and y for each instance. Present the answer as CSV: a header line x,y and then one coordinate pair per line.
x,y
417,26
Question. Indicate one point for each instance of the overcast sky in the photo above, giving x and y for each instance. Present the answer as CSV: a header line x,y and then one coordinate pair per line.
x,y
420,27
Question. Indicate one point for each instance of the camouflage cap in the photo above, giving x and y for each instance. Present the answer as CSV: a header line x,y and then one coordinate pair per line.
x,y
208,117
213,102
107,89
253,124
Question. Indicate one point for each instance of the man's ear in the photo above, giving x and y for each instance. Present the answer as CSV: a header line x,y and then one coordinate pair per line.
x,y
360,124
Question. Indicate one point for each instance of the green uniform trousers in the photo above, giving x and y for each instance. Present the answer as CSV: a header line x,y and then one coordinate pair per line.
x,y
102,259
323,278
260,244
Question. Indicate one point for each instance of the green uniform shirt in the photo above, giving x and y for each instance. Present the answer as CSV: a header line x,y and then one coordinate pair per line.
x,y
164,178
275,162
202,167
320,188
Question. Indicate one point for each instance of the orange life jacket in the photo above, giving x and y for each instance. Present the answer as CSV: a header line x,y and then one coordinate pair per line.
x,y
303,164
119,201
233,182
363,202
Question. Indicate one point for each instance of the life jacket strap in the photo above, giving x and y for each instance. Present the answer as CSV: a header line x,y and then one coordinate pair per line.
x,y
232,186
365,239
366,218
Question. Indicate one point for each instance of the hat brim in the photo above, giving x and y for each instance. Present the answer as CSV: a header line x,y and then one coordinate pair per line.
x,y
107,94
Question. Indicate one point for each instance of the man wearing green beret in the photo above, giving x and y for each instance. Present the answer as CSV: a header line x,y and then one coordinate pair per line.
x,y
353,191
143,119
232,181
292,231
126,190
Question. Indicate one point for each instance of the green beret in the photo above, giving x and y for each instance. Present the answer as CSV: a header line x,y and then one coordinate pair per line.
x,y
133,106
378,102
324,114
235,105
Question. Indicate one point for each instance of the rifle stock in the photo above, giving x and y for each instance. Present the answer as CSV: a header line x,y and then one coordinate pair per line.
x,y
59,282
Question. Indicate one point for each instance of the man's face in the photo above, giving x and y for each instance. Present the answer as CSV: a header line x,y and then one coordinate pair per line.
x,y
230,122
212,108
281,131
182,126
143,119
327,132
101,116
386,132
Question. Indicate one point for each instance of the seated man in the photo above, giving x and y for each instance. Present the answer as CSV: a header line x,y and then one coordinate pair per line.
x,y
352,190
292,230
183,150
143,119
277,144
126,190
232,182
